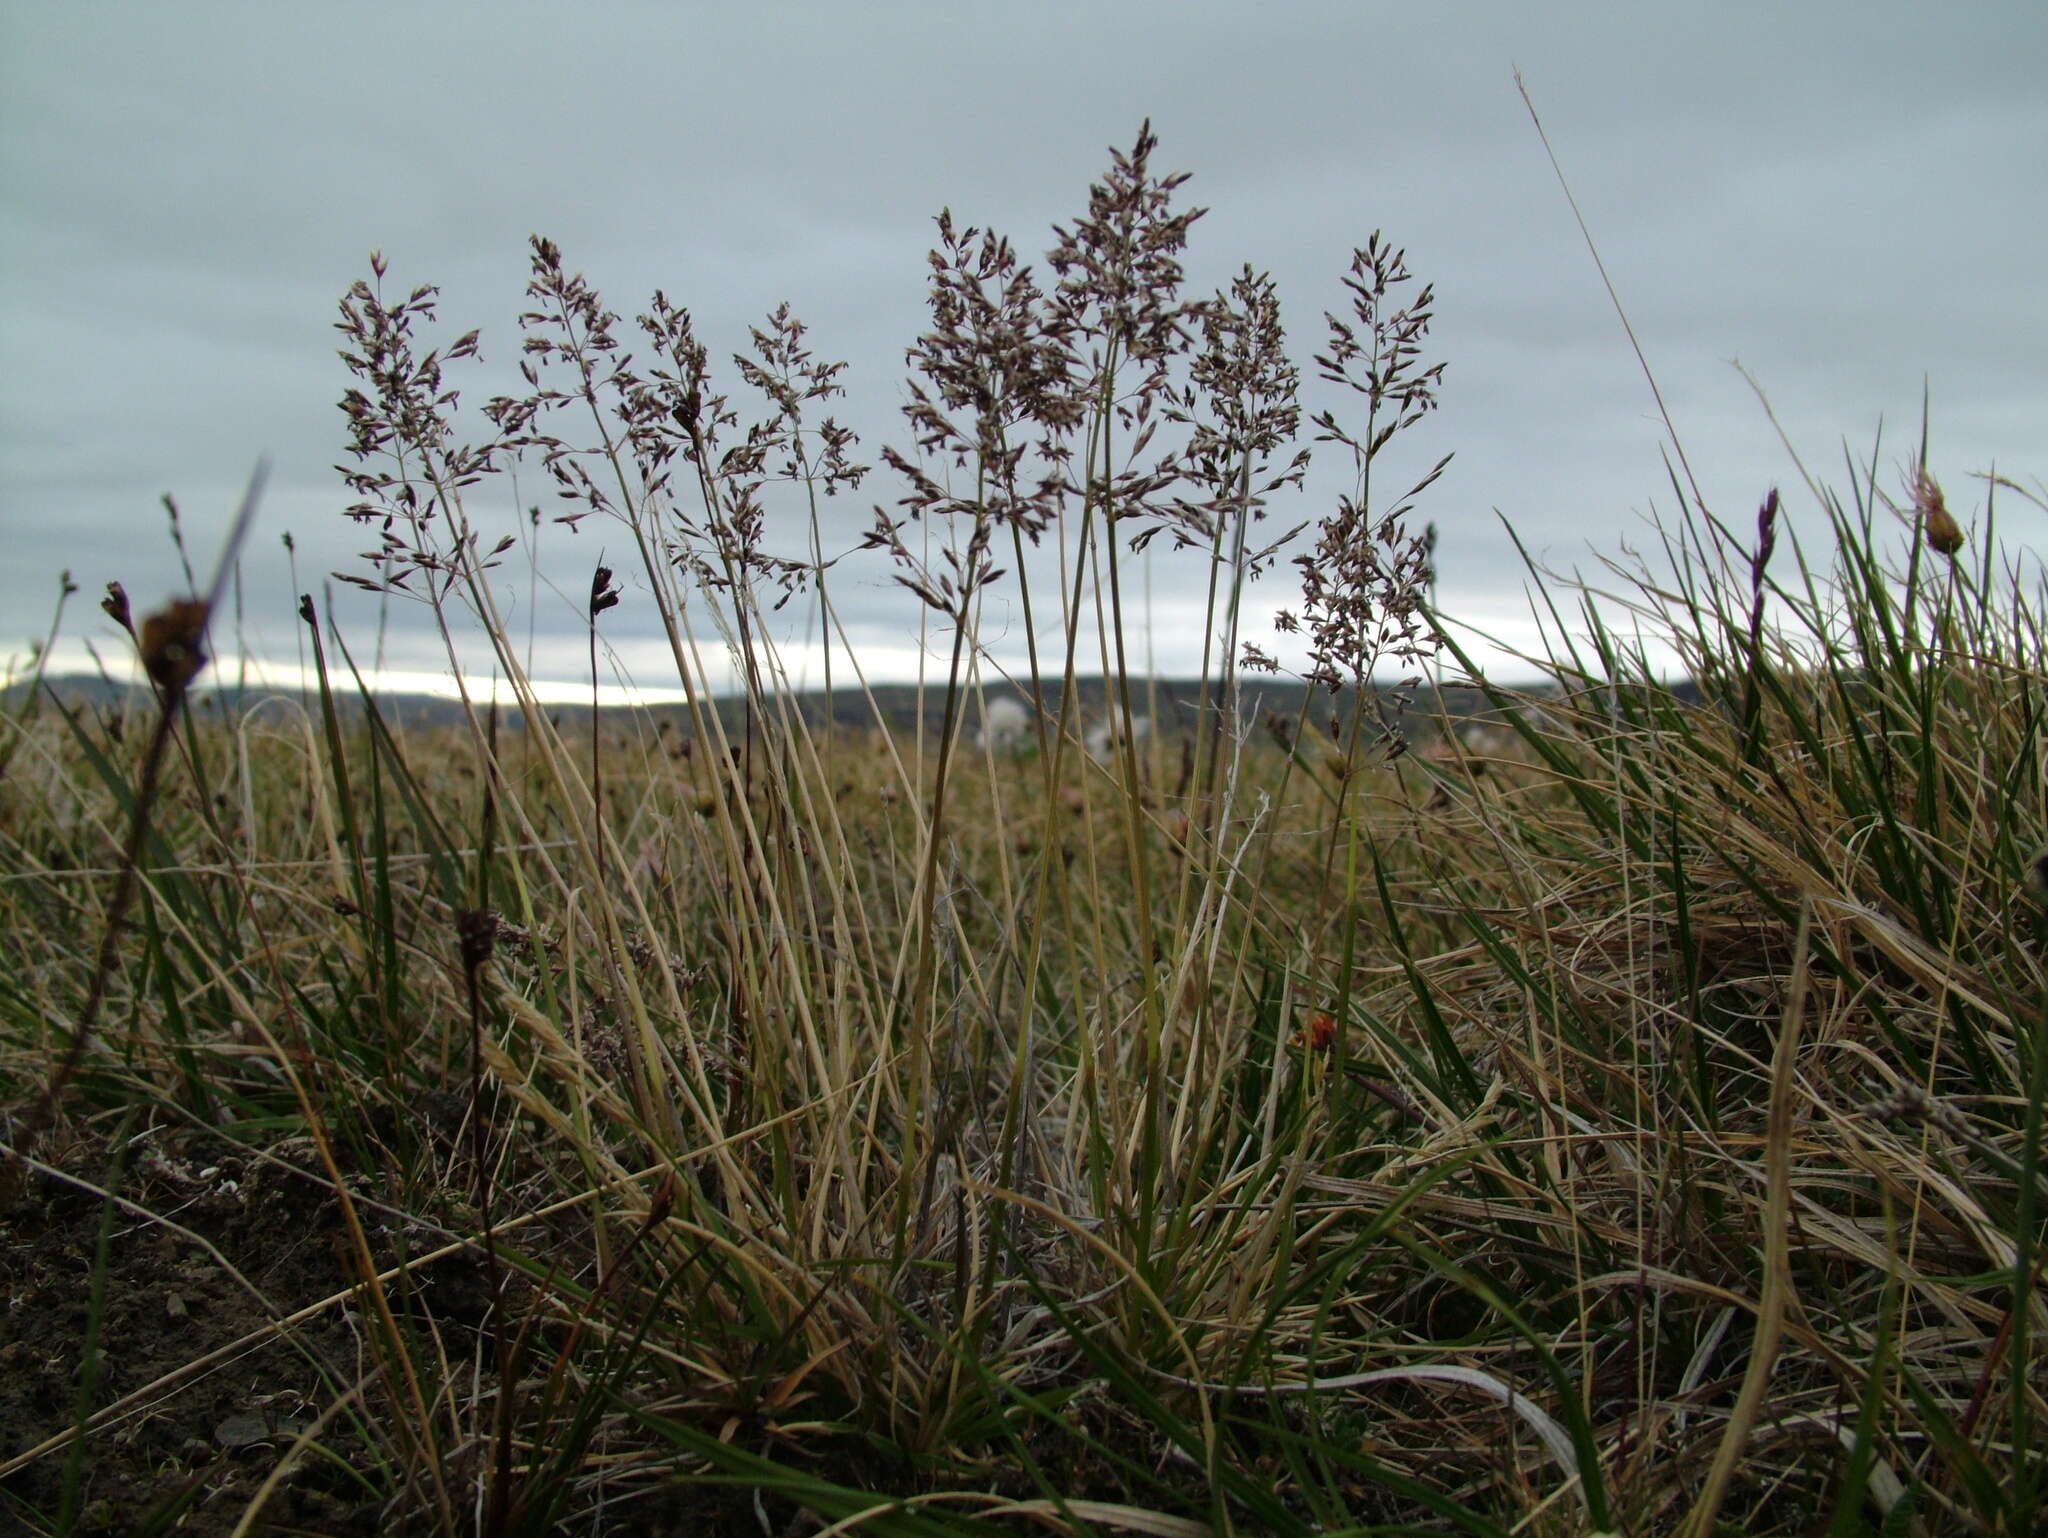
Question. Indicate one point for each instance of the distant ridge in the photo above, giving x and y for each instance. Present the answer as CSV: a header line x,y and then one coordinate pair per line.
x,y
1175,701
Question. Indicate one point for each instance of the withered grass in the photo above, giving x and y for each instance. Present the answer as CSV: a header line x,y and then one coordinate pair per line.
x,y
1624,1116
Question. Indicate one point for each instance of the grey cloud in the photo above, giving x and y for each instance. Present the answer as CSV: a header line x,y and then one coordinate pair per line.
x,y
1844,197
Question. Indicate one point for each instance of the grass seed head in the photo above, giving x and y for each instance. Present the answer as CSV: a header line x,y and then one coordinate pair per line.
x,y
1942,530
477,931
116,605
173,643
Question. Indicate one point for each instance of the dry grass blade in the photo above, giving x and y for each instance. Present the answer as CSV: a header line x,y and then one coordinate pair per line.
x,y
1776,1294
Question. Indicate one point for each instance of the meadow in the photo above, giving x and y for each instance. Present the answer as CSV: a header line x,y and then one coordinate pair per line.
x,y
1621,1114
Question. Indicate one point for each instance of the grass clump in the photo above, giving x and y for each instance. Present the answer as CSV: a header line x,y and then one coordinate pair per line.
x,y
1625,1117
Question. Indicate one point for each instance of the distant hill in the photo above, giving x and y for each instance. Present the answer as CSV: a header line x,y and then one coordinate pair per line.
x,y
1172,702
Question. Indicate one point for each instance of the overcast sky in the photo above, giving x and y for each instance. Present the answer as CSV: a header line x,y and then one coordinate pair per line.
x,y
1848,198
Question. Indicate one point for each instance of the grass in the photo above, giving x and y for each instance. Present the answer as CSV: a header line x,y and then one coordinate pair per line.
x,y
1627,1119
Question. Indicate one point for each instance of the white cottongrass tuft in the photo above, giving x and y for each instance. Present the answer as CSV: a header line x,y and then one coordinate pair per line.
x,y
1105,737
1006,727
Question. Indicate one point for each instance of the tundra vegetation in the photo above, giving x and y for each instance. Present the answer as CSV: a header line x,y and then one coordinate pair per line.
x,y
1628,1121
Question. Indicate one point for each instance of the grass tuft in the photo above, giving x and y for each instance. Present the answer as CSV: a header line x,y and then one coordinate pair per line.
x,y
1608,1106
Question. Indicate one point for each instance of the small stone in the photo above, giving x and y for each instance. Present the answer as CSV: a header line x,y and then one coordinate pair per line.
x,y
248,1430
242,1431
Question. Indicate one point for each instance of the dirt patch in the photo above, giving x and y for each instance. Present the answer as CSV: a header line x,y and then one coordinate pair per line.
x,y
229,1326
205,1376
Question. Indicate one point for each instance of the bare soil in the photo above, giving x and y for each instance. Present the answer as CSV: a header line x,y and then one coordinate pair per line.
x,y
200,1390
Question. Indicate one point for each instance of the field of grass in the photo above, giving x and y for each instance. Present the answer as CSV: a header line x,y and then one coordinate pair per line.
x,y
1623,1119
